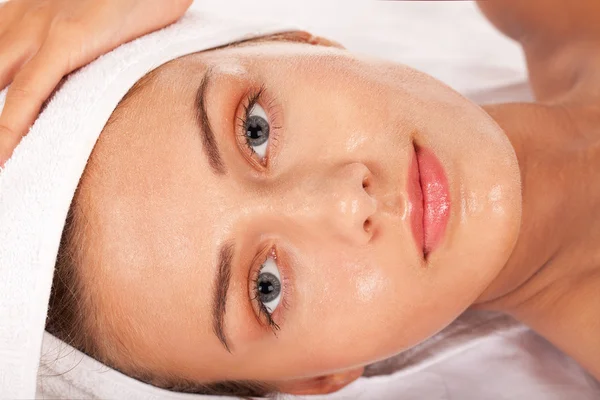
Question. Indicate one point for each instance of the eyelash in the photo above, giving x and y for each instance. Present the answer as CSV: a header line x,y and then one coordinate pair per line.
x,y
254,97
262,309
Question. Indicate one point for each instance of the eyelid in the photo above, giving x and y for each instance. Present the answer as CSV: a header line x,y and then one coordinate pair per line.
x,y
261,96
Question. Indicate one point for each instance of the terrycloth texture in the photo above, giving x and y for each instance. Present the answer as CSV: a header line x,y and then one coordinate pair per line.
x,y
39,181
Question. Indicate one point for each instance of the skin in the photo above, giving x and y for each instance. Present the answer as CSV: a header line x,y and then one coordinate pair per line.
x,y
157,213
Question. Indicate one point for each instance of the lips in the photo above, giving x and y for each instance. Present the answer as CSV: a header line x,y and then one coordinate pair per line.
x,y
429,199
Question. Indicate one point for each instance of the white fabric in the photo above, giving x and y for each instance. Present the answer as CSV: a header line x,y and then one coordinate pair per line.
x,y
449,40
476,358
486,358
38,182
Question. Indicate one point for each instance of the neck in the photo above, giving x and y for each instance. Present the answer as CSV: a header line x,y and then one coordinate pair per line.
x,y
556,142
534,132
551,279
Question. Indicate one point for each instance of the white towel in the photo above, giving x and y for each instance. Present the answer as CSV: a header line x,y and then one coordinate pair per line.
x,y
39,181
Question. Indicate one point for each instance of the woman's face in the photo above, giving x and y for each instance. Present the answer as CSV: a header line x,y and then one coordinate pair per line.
x,y
250,215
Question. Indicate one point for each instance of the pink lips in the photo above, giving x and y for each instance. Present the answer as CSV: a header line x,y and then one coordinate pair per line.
x,y
429,199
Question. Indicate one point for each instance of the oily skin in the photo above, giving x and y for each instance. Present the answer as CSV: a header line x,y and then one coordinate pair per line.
x,y
156,214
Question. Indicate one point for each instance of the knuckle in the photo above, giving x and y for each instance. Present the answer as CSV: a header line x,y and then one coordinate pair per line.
x,y
4,134
8,140
19,91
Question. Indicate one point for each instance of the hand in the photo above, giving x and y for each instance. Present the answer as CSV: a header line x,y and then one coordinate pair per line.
x,y
41,41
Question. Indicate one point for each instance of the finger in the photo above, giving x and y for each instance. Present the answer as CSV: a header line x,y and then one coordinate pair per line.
x,y
15,50
7,145
30,88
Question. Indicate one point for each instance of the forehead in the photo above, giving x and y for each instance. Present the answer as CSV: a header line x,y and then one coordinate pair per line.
x,y
146,206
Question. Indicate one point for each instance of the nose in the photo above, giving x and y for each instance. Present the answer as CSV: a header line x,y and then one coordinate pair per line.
x,y
352,208
342,207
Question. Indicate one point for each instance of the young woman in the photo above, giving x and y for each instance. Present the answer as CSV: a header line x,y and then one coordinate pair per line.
x,y
224,231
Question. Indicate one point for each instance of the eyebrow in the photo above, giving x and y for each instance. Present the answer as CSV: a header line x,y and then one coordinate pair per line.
x,y
221,287
209,143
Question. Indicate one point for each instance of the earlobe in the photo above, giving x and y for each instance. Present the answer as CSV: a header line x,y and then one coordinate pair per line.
x,y
323,384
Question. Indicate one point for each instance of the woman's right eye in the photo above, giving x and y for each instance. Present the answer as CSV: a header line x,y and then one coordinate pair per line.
x,y
268,286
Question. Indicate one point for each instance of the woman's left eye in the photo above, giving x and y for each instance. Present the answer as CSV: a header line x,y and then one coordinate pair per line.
x,y
257,130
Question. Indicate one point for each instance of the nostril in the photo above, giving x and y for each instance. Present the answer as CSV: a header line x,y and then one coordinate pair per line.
x,y
367,225
365,182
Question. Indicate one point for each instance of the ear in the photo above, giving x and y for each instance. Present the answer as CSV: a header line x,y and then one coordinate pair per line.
x,y
321,384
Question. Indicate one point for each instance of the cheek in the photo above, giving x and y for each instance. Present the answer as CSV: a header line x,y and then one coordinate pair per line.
x,y
352,299
350,283
373,303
